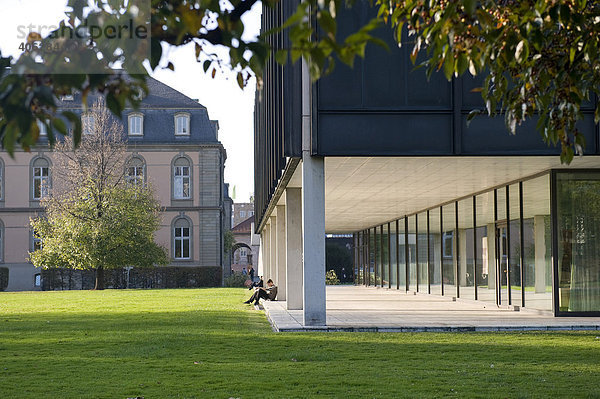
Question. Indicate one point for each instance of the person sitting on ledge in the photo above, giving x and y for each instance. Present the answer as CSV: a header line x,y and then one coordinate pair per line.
x,y
269,293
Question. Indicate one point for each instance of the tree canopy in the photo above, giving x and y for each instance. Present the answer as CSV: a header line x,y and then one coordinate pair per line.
x,y
540,58
94,218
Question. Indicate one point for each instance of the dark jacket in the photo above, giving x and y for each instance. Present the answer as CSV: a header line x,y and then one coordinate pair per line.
x,y
272,292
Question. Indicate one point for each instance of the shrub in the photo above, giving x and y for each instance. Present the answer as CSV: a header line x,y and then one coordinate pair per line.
x,y
152,277
331,278
3,278
236,279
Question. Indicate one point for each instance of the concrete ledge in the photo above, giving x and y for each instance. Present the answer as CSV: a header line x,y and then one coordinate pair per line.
x,y
360,309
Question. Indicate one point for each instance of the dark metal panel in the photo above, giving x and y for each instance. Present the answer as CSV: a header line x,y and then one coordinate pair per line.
x,y
384,134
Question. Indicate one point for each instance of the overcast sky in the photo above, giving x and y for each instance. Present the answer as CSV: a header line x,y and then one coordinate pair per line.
x,y
225,101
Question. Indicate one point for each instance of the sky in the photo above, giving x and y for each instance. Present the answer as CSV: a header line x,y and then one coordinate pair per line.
x,y
224,100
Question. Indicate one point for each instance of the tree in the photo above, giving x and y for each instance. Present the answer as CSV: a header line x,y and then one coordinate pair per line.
x,y
94,219
540,56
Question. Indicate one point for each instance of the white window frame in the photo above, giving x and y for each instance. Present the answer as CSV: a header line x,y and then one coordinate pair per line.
x,y
43,129
137,178
182,124
41,180
131,124
180,179
242,214
178,242
37,280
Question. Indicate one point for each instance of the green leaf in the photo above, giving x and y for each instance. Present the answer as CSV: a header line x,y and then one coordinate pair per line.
x,y
281,57
522,51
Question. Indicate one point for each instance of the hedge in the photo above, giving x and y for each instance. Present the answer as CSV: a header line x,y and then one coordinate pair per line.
x,y
154,277
3,278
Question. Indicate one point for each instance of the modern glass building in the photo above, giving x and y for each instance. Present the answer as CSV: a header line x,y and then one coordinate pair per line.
x,y
436,205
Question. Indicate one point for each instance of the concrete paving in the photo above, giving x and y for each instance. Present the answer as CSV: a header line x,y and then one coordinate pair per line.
x,y
357,308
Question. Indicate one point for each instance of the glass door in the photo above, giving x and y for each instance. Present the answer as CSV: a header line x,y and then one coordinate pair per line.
x,y
502,286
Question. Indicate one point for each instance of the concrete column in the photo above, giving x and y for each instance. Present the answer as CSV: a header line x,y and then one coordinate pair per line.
x,y
540,253
293,237
281,254
273,251
260,268
313,242
491,245
267,253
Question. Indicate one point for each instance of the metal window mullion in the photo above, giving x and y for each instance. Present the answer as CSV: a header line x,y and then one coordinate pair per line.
x,y
521,244
381,254
406,255
428,255
375,245
417,249
498,239
389,243
508,287
442,250
457,251
397,254
475,245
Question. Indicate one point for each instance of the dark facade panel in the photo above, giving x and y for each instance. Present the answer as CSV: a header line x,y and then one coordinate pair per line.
x,y
385,134
489,136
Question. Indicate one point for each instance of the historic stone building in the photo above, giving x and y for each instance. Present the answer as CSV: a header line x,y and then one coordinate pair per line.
x,y
172,144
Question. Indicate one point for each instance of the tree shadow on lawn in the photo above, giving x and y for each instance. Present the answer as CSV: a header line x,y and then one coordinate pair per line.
x,y
202,353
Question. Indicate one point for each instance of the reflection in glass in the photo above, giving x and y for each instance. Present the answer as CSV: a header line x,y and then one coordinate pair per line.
x,y
401,256
466,265
448,250
393,256
578,216
412,254
435,250
422,252
537,243
486,248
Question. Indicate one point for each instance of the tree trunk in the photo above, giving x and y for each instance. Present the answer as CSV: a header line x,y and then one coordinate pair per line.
x,y
99,278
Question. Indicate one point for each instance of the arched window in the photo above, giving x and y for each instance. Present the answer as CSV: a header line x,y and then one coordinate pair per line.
x,y
41,178
136,124
182,124
135,171
182,239
182,182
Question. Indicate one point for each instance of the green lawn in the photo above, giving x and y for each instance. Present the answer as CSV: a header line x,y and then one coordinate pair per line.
x,y
206,343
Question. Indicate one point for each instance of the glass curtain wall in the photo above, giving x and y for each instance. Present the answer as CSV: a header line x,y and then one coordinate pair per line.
x,y
385,256
371,272
537,244
422,285
578,223
449,255
486,248
393,256
401,255
466,265
514,211
412,254
435,252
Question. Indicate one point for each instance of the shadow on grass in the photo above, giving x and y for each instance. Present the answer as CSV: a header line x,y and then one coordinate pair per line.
x,y
234,353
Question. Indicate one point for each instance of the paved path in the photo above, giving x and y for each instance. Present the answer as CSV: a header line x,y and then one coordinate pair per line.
x,y
351,308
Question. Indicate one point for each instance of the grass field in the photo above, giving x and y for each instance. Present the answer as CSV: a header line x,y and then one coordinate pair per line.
x,y
206,343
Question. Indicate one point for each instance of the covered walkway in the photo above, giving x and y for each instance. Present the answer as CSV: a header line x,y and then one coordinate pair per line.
x,y
359,308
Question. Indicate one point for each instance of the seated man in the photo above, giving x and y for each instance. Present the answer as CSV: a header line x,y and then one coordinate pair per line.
x,y
269,293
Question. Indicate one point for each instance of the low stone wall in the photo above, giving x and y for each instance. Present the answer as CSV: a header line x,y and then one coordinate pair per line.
x,y
155,277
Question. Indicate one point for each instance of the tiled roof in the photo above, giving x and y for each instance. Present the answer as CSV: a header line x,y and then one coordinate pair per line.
x,y
244,227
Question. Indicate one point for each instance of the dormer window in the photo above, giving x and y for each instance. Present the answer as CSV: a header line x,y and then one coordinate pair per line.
x,y
182,125
43,129
136,124
87,124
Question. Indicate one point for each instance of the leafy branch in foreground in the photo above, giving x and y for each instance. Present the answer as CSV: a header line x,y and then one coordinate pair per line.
x,y
540,58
